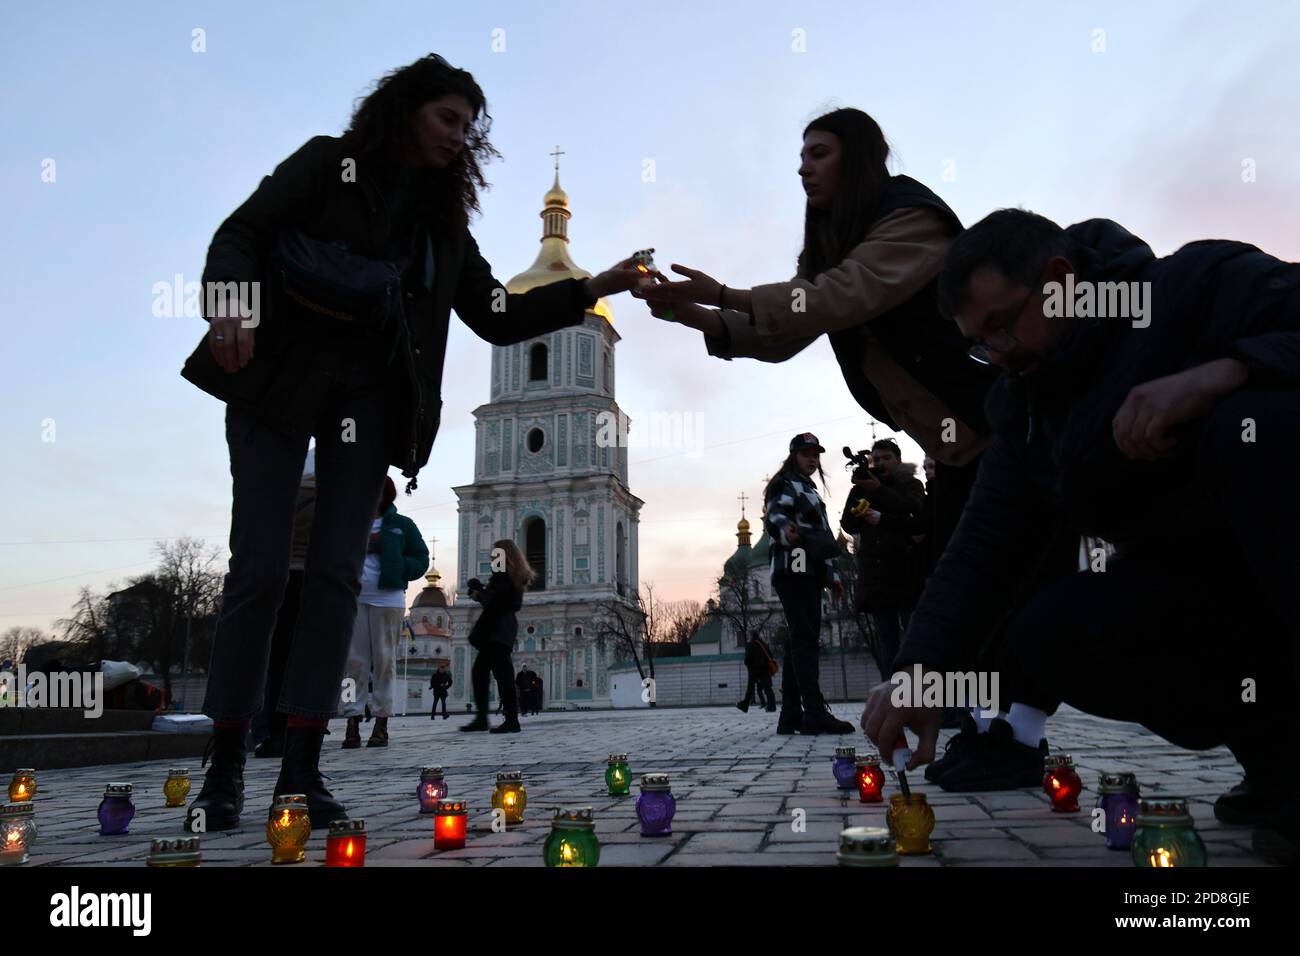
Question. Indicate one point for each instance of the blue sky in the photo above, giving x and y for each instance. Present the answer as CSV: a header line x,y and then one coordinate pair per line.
x,y
990,103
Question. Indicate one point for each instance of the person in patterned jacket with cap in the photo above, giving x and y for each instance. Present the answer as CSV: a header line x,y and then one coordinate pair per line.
x,y
802,562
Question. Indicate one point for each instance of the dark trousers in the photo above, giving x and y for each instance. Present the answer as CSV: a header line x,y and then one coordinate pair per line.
x,y
352,451
801,599
1174,635
763,684
286,620
890,624
494,661
439,696
948,493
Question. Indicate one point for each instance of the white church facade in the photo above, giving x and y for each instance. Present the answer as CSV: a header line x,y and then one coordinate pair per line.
x,y
550,473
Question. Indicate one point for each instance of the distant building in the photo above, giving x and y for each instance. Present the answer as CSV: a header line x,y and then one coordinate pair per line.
x,y
546,477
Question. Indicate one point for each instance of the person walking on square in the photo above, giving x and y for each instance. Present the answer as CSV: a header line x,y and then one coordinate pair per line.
x,y
803,565
524,688
760,667
441,683
361,244
493,635
395,555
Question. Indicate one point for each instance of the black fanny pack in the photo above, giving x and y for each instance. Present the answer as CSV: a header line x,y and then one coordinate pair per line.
x,y
322,279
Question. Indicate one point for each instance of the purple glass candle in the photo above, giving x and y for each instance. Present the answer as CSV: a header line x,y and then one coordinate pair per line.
x,y
432,788
845,767
1118,799
116,809
655,806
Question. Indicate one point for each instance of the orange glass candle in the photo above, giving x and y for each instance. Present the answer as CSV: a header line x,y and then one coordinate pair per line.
x,y
449,824
346,843
870,780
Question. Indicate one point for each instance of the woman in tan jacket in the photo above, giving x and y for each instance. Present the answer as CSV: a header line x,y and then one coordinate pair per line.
x,y
873,247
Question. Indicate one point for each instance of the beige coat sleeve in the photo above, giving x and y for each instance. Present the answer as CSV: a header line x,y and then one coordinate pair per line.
x,y
901,253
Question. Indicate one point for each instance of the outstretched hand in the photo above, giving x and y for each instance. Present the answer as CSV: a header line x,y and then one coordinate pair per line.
x,y
697,287
621,277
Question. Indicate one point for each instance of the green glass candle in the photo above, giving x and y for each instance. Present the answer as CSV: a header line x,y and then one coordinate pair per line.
x,y
1165,835
618,778
572,840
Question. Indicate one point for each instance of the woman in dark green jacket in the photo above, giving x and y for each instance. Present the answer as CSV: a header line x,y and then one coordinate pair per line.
x,y
398,187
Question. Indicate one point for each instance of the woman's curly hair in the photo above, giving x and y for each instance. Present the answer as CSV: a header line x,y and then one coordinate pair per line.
x,y
381,129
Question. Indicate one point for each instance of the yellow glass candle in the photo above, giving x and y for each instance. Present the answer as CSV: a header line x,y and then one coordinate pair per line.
x,y
23,786
911,821
17,832
288,828
177,787
510,797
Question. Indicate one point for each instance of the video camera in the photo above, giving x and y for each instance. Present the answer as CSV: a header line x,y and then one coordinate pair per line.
x,y
861,464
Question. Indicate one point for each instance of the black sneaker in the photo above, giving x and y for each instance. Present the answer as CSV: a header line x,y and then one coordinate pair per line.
x,y
999,762
1254,802
958,748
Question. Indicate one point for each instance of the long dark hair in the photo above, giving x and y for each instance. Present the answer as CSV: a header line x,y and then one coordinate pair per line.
x,y
829,234
381,130
792,462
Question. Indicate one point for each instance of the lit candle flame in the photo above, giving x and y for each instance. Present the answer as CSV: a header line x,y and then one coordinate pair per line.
x,y
349,851
1162,858
567,853
13,837
1056,784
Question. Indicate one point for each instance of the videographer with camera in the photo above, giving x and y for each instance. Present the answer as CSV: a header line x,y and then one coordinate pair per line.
x,y
885,508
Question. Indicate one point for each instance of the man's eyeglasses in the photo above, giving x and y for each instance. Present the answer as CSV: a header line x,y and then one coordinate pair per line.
x,y
998,336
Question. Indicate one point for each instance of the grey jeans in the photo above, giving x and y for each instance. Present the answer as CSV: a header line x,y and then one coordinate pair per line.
x,y
266,461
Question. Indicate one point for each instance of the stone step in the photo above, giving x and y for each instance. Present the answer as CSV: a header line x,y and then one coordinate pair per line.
x,y
15,721
57,751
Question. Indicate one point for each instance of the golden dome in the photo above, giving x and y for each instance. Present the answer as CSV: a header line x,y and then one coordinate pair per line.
x,y
742,525
553,262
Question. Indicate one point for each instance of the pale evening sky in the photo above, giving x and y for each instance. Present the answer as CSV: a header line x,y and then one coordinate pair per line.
x,y
992,104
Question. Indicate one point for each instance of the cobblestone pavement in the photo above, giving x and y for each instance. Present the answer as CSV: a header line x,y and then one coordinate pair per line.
x,y
737,786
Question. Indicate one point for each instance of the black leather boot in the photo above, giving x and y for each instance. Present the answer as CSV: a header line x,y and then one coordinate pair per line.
x,y
273,745
509,726
300,773
818,719
219,803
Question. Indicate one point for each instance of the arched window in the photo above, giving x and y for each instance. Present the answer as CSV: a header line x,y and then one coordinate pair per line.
x,y
535,551
620,548
537,363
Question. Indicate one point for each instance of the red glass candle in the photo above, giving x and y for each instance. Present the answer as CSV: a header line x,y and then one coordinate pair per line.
x,y
346,843
870,780
1063,786
449,824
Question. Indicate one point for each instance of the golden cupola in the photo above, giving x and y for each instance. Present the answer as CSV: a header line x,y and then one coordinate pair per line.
x,y
553,261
